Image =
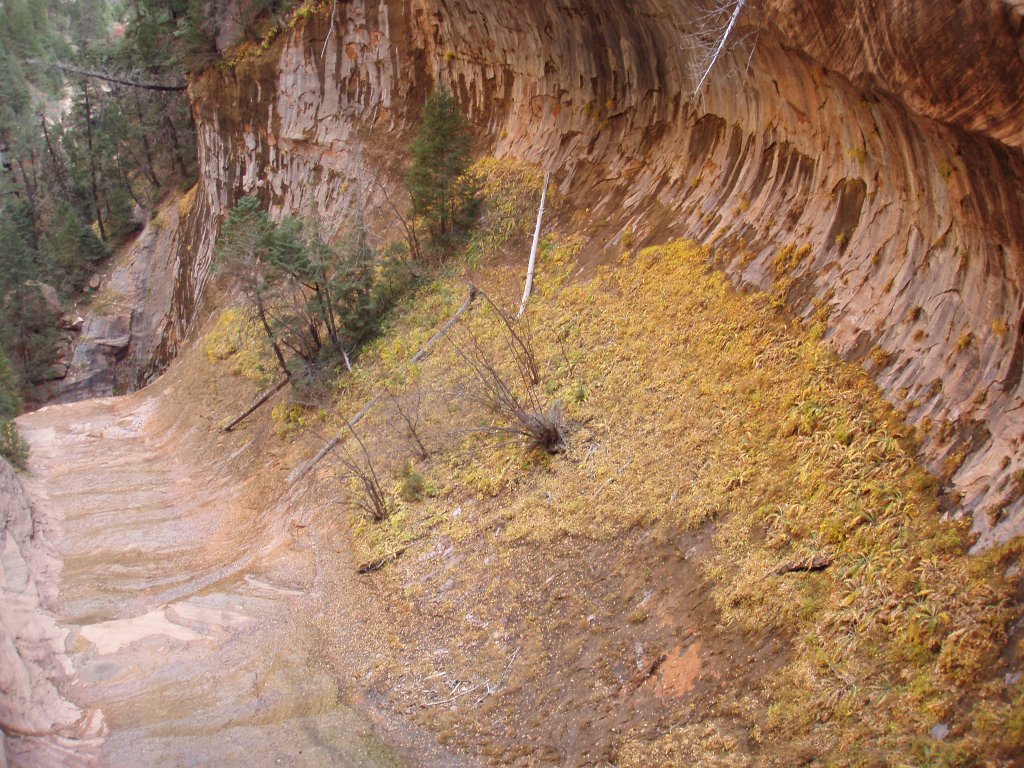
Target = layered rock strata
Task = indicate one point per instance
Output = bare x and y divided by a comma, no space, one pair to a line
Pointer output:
884,134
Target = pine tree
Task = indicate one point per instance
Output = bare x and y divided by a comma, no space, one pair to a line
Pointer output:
28,328
72,249
12,447
440,155
243,252
10,399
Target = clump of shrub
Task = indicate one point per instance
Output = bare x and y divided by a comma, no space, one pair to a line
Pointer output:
12,446
413,485
510,388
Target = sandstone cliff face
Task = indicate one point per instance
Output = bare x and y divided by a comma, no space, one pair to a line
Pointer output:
38,725
884,134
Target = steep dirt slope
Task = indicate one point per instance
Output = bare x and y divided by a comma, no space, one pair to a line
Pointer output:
884,134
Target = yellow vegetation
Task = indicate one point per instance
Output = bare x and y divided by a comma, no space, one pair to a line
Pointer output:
695,407
237,339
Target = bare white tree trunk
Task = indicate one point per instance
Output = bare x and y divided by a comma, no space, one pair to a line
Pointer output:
334,9
536,243
721,45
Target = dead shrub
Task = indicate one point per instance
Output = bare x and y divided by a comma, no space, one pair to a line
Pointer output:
507,385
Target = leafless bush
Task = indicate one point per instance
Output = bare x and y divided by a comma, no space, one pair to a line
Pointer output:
359,466
511,391
408,407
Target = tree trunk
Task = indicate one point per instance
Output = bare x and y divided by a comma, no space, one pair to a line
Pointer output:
128,183
533,249
327,305
30,193
252,408
111,78
147,150
179,158
261,311
58,164
92,161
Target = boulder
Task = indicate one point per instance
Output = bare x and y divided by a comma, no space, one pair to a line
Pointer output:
50,296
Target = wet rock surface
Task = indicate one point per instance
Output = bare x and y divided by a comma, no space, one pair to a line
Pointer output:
183,620
136,318
40,725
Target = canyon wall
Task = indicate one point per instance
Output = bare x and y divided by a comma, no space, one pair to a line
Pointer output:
885,135
38,725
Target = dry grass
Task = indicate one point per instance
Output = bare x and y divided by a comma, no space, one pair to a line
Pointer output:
237,340
695,408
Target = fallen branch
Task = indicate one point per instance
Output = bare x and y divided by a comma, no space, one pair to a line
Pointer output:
533,249
443,330
304,469
809,564
375,565
259,401
486,684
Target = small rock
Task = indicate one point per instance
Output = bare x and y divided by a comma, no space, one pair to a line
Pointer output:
94,282
1012,678
939,732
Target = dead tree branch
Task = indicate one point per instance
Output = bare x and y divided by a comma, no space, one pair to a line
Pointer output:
807,565
533,249
118,80
259,401
720,39
511,396
304,469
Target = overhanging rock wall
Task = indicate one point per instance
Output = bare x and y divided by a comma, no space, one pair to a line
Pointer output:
884,134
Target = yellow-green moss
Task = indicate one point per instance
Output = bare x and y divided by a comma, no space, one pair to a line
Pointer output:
237,339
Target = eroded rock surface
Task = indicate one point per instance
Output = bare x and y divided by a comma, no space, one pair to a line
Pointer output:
141,313
884,134
39,726
184,601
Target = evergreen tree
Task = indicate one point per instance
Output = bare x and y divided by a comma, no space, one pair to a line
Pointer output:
12,447
10,399
28,327
440,155
243,249
72,249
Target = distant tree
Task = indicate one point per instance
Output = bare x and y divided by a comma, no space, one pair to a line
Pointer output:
10,399
72,249
12,447
28,328
440,156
